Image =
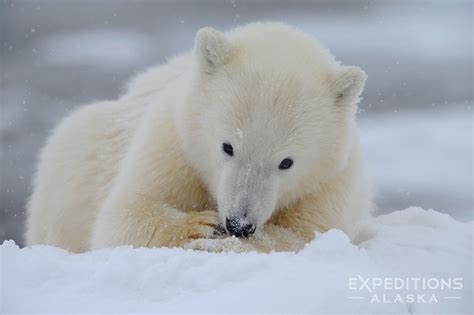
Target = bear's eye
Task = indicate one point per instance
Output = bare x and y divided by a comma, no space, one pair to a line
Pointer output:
285,164
227,147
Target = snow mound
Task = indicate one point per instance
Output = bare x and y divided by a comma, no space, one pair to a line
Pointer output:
330,274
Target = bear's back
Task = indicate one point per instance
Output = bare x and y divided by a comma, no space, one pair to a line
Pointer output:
82,158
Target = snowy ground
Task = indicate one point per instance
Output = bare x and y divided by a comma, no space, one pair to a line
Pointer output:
329,275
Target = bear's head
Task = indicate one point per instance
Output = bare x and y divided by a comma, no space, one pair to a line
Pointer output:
268,117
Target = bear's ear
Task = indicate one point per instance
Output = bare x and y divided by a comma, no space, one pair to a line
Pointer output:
212,49
347,85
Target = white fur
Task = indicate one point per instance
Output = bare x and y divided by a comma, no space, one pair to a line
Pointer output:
148,169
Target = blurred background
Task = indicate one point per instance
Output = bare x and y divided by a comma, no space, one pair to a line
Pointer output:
416,115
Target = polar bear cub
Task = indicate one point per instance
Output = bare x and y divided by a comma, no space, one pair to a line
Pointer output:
251,135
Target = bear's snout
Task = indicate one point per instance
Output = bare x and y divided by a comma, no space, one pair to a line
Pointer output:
239,227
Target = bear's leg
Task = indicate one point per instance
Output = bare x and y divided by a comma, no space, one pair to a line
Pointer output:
270,238
136,220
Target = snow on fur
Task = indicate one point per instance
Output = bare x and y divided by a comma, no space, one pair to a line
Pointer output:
409,243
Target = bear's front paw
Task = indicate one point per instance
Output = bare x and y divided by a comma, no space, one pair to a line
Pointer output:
225,244
204,224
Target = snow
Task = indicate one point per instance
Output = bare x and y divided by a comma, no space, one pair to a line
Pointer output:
326,276
422,158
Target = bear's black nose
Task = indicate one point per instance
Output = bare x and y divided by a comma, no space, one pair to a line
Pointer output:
239,227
